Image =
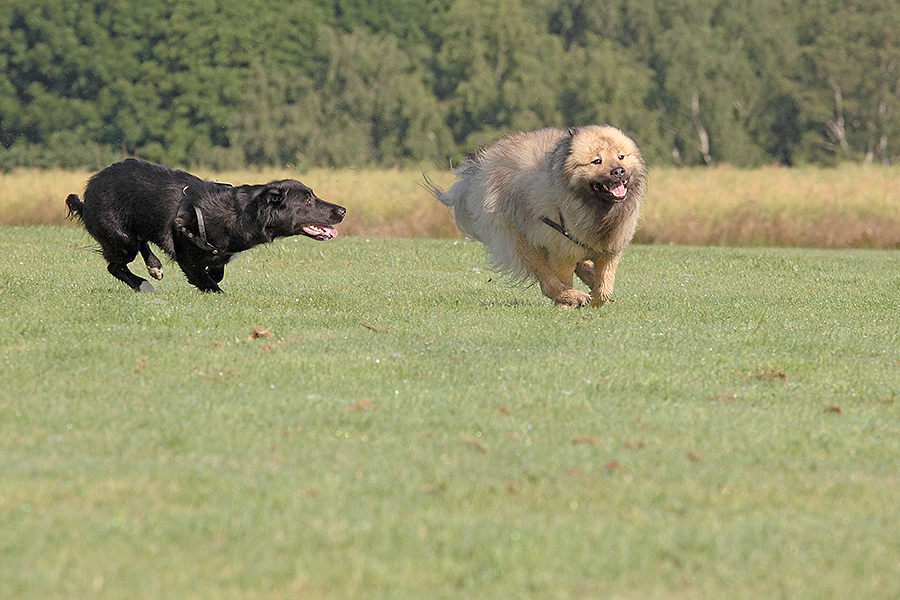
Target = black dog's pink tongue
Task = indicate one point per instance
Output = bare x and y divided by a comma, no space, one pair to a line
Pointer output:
322,232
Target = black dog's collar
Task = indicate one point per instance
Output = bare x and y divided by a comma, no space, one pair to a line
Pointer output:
180,224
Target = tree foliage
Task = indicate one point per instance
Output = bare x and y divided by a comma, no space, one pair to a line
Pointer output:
389,82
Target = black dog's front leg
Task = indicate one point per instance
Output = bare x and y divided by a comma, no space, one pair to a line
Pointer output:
199,277
200,268
216,272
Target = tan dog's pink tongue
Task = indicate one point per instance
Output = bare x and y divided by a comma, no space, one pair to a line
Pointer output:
618,190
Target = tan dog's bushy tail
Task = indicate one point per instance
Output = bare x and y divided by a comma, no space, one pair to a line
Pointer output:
455,199
433,188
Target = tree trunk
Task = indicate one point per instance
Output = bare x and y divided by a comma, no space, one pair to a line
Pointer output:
702,134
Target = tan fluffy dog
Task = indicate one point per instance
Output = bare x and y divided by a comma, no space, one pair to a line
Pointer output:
552,203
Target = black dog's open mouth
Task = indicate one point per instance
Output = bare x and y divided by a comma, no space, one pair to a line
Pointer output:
616,191
319,232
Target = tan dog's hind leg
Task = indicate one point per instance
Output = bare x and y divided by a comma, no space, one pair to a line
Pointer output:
604,279
551,284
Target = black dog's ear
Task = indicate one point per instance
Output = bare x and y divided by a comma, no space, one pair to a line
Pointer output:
272,194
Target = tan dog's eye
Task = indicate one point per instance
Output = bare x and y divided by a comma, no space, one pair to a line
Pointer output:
596,161
621,157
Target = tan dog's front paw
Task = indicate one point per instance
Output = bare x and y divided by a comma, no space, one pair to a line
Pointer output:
599,298
573,297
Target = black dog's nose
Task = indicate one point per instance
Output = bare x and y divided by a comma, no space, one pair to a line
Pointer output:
618,173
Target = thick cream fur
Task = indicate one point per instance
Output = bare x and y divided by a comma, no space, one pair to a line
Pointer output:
504,190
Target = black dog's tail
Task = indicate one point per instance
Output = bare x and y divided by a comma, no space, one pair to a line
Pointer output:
75,205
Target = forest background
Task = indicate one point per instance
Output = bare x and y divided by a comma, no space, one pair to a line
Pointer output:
386,83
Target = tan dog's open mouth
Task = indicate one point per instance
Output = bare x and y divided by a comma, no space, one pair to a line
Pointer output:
617,191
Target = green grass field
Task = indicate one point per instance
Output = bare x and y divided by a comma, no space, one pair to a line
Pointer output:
385,418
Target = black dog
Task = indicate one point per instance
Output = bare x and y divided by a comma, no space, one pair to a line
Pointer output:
200,224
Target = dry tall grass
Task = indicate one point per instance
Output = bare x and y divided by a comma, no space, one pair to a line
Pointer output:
37,197
848,206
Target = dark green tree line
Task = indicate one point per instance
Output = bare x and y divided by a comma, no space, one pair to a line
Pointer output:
391,82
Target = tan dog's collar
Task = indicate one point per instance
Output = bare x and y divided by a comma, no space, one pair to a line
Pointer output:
561,227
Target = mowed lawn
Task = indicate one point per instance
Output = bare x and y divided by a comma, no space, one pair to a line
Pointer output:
387,418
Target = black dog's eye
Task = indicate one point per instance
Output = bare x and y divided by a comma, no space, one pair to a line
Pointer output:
596,161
